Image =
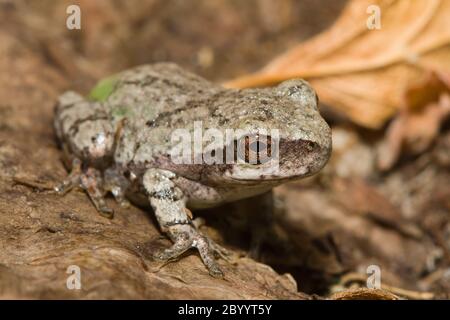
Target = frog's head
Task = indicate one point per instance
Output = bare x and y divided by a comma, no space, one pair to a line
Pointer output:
284,134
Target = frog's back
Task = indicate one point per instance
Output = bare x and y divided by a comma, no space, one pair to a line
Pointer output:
154,94
151,101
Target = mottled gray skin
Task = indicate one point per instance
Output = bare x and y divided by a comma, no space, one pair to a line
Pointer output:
122,144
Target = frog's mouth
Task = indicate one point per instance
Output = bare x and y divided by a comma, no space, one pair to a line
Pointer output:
257,176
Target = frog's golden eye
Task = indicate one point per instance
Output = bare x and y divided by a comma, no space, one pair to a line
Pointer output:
254,149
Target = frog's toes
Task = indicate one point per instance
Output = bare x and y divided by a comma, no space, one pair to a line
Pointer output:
181,245
185,237
105,211
91,181
116,183
119,196
215,247
124,203
220,251
72,180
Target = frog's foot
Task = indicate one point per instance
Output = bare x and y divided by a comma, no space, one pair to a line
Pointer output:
116,183
221,252
185,237
217,249
91,182
119,196
73,180
168,203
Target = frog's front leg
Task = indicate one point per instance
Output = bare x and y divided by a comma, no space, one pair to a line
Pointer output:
91,181
168,203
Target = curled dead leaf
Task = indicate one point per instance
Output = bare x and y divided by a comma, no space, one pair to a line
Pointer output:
363,73
426,105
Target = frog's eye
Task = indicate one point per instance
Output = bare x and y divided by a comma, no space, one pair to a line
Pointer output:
254,149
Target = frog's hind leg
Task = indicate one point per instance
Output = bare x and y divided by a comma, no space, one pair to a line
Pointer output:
91,181
168,202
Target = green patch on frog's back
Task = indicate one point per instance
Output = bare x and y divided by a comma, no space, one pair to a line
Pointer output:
103,89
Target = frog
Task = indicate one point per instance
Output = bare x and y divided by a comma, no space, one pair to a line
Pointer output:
119,140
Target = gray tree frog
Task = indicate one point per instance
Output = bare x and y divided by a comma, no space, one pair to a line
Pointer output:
119,140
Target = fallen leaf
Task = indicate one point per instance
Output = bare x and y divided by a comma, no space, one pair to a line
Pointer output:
426,105
363,73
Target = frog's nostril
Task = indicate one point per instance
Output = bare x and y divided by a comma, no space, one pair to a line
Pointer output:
310,145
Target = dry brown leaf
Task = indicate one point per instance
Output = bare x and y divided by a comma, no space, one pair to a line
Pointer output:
363,73
425,107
